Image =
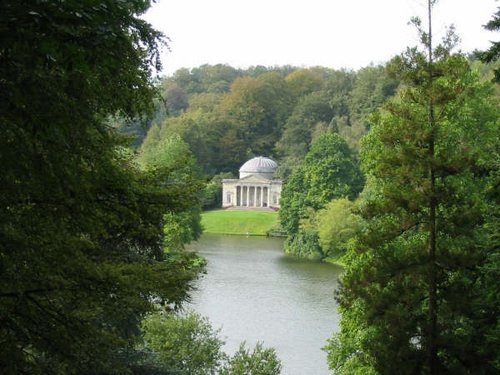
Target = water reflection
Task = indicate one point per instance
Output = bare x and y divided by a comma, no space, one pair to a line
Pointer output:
255,293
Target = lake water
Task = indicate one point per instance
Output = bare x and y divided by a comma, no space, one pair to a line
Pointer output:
253,292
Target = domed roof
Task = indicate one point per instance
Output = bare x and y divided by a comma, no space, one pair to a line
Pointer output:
259,164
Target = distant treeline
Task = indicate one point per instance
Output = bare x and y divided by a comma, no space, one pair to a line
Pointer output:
228,115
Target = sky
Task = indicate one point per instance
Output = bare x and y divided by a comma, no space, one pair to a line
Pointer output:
338,34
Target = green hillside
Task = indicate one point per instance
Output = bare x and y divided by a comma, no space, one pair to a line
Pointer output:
240,222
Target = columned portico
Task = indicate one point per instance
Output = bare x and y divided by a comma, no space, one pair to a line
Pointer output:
249,196
256,187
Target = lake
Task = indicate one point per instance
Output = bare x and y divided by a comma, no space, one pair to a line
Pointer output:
253,292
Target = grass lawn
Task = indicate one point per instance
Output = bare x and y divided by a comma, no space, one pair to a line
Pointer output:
254,223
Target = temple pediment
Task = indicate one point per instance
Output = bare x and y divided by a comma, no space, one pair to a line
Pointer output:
254,179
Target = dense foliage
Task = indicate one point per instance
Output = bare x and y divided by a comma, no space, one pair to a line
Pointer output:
81,225
182,344
172,159
186,344
414,298
227,115
330,170
337,225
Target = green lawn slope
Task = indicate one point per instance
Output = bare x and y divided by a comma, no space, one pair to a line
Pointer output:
252,223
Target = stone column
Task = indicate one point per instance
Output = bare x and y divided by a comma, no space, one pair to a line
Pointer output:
248,196
269,196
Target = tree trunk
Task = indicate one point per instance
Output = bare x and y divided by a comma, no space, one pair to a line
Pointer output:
433,308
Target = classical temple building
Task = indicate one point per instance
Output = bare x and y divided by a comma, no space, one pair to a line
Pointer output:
256,187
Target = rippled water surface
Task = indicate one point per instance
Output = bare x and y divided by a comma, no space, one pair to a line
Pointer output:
253,292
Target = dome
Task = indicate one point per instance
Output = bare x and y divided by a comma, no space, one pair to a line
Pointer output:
260,165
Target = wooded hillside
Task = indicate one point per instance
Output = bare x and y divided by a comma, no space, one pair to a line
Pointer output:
227,115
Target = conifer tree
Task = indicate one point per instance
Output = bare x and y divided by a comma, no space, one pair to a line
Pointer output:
407,296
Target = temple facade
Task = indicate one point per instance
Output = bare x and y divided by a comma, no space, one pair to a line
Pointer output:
256,187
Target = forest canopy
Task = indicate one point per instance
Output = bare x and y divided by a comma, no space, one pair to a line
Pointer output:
229,115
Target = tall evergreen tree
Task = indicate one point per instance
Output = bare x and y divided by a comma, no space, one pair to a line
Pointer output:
409,294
